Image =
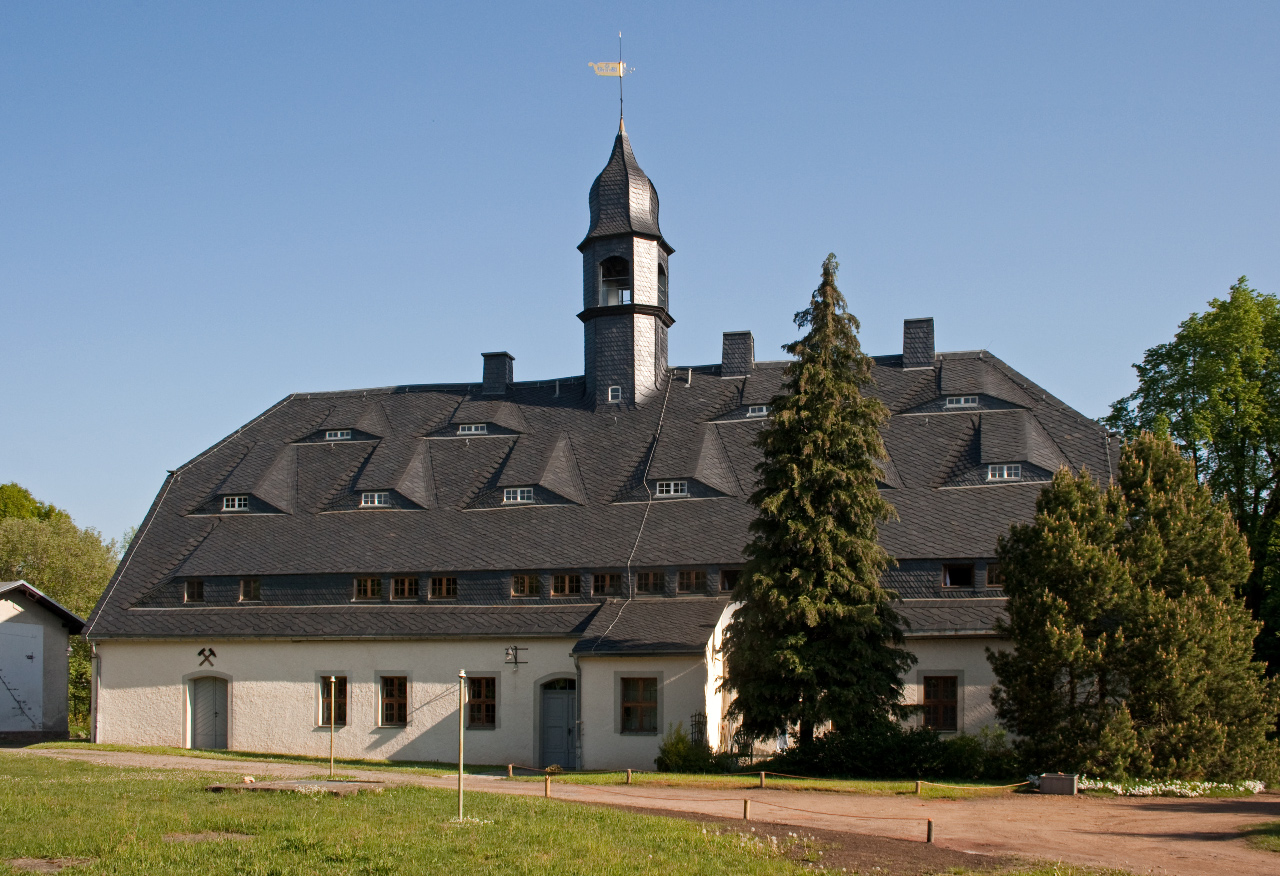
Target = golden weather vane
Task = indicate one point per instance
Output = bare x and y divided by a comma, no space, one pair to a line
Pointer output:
613,68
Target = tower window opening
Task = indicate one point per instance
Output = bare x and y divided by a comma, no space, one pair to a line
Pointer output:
662,287
615,281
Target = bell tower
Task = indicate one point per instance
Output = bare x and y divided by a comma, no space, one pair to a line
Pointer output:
624,284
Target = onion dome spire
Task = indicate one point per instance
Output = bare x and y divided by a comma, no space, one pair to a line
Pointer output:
623,200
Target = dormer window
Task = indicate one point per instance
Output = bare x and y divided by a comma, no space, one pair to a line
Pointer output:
758,411
1004,472
375,500
962,401
517,495
662,286
235,503
673,488
615,281
473,429
615,393
337,435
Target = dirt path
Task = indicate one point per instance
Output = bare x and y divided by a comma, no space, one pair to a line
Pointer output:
1184,837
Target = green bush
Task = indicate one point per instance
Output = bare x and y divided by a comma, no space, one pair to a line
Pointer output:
680,754
887,750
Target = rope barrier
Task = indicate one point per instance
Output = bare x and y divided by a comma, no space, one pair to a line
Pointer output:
836,814
754,773
976,787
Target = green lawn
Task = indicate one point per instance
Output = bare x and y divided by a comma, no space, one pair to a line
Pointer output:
1264,836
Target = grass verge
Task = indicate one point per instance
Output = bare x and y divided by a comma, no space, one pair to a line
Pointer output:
1263,836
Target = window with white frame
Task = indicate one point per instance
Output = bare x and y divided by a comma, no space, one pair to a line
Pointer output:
615,393
962,401
337,435
473,429
1011,472
235,503
517,495
673,488
375,500
758,411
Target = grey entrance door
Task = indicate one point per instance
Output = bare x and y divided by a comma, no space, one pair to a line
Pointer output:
557,724
209,713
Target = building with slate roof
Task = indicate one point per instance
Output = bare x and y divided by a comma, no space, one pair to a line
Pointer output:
570,543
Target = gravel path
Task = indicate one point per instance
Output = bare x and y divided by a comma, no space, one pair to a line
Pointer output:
1184,837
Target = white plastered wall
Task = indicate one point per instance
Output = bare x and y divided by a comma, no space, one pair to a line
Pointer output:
682,691
20,610
965,657
273,695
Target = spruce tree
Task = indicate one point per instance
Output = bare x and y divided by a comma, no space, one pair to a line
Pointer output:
816,637
1132,650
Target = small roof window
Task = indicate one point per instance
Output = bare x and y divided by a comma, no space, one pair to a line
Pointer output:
962,401
337,435
758,411
615,393
235,503
1004,472
517,495
673,488
375,500
473,429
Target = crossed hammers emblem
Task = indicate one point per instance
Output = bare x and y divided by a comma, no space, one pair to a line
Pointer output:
208,654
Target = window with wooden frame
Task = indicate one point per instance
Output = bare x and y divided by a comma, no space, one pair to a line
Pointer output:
444,587
395,700
639,705
404,588
609,583
235,503
691,581
482,703
332,692
729,579
525,584
368,588
473,429
338,435
566,585
650,582
517,495
957,575
673,488
375,500
250,590
994,579
941,703
194,591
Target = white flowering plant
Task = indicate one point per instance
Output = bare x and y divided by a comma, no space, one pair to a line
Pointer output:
1170,788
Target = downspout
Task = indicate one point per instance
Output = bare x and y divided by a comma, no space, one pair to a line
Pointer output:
95,677
577,712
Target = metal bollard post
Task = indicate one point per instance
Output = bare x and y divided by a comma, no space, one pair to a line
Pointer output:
762,780
746,810
628,777
929,839
546,788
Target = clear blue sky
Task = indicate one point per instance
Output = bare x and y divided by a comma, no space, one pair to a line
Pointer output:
206,207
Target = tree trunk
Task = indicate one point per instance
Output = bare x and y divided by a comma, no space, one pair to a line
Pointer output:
806,732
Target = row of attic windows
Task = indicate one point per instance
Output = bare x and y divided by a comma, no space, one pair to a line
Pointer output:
523,585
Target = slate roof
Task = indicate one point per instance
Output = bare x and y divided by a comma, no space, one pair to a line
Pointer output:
951,617
651,627
623,200
72,621
592,511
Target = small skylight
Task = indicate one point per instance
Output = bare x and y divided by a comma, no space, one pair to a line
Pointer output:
1004,472
962,401
758,411
375,500
338,435
615,393
517,495
673,488
473,429
235,503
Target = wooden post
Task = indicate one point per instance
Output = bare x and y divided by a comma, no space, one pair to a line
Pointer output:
546,786
746,810
333,713
929,839
462,726
510,769
918,784
628,777
762,780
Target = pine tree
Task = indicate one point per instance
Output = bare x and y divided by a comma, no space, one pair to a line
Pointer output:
816,638
1132,650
